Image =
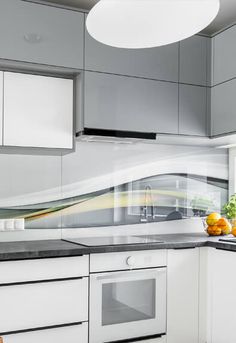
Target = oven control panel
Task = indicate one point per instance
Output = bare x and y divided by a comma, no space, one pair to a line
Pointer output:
128,260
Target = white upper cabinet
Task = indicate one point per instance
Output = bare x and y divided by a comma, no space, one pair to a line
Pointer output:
1,107
130,104
38,111
159,63
195,60
224,56
41,34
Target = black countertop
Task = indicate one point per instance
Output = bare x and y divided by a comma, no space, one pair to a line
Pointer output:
64,248
38,249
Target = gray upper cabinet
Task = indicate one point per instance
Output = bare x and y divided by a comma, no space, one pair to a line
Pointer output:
224,56
194,60
41,34
1,108
223,108
130,104
192,110
223,99
156,63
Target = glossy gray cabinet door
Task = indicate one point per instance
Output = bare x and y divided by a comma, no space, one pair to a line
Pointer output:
223,108
130,104
224,56
193,60
1,108
192,110
156,63
41,34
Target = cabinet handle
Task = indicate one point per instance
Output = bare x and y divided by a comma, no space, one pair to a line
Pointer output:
1,340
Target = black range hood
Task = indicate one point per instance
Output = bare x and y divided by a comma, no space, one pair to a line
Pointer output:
117,134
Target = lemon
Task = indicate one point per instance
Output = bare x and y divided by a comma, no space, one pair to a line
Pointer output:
213,218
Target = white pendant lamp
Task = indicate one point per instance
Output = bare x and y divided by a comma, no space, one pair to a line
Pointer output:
135,24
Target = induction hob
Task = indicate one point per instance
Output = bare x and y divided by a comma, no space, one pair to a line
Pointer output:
113,240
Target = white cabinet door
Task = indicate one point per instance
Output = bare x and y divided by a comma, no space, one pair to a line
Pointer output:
35,305
130,104
159,63
182,296
224,56
223,105
192,110
38,111
68,334
222,266
1,108
41,34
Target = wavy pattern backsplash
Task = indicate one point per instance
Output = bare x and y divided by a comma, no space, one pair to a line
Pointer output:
105,184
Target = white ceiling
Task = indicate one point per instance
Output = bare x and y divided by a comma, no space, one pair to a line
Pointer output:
226,16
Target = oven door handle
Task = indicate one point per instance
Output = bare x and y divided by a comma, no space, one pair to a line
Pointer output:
130,274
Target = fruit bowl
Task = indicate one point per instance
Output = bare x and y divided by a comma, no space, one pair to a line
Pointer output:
216,225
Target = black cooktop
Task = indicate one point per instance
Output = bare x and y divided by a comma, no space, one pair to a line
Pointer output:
113,240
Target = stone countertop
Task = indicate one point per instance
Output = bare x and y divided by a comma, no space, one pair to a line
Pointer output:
38,249
65,248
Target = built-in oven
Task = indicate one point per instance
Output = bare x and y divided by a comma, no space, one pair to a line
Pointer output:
127,304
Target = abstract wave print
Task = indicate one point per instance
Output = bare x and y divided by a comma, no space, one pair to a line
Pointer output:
151,199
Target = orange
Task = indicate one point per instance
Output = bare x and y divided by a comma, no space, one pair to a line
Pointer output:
214,230
213,218
233,231
233,222
224,225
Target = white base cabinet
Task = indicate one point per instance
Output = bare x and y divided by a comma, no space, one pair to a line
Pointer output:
35,305
221,293
182,296
68,334
46,269
44,300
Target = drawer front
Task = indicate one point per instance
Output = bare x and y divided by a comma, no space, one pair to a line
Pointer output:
127,260
44,304
43,269
69,334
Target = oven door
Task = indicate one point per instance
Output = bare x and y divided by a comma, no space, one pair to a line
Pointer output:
126,305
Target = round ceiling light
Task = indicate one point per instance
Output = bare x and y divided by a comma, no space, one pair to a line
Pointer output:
135,24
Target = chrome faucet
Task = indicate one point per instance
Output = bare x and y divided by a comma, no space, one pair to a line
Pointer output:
145,215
